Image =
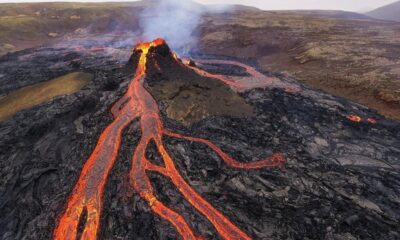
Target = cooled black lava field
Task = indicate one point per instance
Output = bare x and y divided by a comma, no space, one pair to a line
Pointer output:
341,178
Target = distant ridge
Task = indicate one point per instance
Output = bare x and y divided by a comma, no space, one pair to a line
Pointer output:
331,13
389,12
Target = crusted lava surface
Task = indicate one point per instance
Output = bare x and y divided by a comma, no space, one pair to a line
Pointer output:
186,96
341,178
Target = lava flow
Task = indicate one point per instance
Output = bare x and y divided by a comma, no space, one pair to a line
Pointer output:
358,119
259,81
86,197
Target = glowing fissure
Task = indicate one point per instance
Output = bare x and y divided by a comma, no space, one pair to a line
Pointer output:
358,119
261,80
88,192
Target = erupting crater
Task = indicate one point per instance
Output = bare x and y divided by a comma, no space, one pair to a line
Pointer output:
138,103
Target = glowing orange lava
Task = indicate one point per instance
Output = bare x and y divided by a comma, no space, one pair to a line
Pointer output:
354,118
260,80
358,119
88,192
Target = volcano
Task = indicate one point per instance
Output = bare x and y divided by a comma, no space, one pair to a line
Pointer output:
170,148
138,103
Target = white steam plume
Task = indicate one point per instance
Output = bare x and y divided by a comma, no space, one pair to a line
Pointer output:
173,20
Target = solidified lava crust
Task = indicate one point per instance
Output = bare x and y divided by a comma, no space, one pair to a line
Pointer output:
341,179
87,196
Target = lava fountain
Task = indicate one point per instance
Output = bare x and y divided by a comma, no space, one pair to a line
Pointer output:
138,103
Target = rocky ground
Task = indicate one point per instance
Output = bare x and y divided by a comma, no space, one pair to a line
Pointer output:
349,56
343,53
341,181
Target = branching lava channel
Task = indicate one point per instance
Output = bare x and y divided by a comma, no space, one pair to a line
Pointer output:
88,192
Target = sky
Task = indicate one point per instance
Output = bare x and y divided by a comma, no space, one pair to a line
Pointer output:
348,5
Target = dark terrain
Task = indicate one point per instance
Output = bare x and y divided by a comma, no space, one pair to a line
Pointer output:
346,54
341,181
342,178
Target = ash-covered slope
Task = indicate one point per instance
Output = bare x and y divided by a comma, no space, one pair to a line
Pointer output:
341,181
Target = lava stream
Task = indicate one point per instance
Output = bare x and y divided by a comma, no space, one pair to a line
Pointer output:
261,79
88,192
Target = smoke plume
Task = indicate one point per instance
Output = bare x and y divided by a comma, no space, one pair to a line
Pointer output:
173,20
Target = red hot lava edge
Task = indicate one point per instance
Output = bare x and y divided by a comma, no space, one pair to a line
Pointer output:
138,103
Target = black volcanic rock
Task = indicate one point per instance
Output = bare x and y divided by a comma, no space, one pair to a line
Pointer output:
342,179
186,96
161,50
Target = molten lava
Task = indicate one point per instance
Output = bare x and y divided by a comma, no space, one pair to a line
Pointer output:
355,118
358,119
259,81
137,102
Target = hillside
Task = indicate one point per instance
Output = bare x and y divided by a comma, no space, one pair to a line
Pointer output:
32,24
353,58
389,12
346,54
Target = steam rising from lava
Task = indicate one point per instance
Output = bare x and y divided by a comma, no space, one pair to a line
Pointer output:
173,20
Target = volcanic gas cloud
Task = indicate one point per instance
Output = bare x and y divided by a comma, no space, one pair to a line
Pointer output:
138,103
